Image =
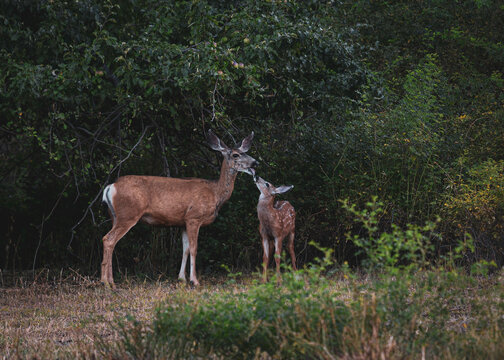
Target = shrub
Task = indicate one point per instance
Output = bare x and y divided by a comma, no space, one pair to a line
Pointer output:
302,318
475,206
393,250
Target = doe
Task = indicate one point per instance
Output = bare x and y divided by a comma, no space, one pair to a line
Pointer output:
189,203
276,221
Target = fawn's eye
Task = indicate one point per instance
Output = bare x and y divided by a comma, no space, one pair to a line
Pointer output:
236,155
267,184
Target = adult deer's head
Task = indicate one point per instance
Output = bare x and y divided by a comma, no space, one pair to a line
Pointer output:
236,158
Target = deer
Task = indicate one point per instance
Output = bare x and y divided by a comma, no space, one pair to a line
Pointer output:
277,220
185,202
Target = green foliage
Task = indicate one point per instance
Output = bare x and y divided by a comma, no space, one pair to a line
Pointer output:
444,315
302,318
93,90
483,267
475,206
417,311
348,99
391,251
401,145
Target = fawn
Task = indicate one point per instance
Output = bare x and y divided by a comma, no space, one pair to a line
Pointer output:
276,221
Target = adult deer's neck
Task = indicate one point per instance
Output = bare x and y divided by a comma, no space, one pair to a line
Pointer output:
225,185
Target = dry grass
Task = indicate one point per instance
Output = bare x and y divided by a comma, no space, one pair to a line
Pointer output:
51,315
49,319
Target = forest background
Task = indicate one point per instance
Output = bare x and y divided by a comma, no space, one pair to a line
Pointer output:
402,100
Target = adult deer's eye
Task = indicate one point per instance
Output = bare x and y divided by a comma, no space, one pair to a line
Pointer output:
236,155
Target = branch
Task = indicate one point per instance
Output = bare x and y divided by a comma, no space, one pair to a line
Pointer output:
44,219
88,209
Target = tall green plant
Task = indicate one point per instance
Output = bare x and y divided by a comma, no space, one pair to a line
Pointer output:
391,251
475,206
395,151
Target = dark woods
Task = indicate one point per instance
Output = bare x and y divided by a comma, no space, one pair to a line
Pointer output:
348,100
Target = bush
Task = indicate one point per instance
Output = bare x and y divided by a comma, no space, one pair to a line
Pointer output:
390,251
302,318
475,205
443,315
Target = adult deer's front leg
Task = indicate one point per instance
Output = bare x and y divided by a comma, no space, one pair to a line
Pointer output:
192,229
185,255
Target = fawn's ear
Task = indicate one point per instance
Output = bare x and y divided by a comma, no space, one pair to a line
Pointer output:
282,189
215,143
246,143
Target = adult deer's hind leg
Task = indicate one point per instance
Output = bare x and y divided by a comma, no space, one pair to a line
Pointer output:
109,242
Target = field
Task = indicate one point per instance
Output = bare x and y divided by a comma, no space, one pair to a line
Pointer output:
63,317
427,315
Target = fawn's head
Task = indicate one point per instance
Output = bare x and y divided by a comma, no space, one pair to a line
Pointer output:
268,189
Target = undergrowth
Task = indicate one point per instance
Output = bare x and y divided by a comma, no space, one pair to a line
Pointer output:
400,307
429,314
403,308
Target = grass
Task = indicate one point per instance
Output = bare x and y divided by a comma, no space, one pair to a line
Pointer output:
63,318
427,315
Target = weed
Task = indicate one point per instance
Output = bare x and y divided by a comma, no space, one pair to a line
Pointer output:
407,249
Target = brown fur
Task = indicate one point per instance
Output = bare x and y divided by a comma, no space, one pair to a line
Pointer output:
277,220
190,203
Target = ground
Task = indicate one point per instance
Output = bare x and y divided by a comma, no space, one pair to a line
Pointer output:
44,317
56,316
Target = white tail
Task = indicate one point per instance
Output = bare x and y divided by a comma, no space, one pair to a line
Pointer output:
190,203
276,221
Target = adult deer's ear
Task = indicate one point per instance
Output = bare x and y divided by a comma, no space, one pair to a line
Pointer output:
215,143
282,189
246,143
